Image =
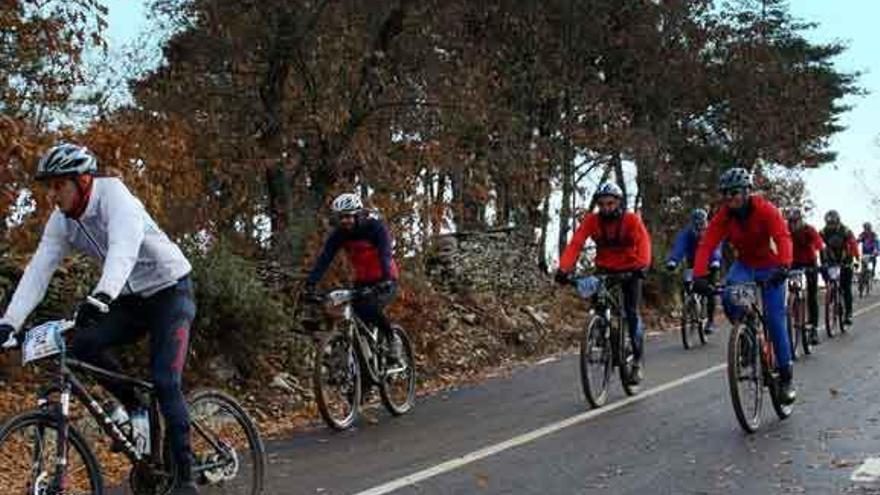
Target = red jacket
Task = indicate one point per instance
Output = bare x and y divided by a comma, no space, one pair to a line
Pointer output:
622,244
807,243
761,241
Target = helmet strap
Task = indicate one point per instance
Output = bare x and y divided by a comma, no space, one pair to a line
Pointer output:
83,184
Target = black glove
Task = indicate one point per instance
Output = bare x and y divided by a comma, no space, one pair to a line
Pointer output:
92,310
777,277
561,277
5,331
703,286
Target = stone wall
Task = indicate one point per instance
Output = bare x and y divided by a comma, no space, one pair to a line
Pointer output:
498,261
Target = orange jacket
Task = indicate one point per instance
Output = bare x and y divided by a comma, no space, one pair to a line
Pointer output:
622,244
761,241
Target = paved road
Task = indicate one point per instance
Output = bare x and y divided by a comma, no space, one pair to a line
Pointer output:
532,433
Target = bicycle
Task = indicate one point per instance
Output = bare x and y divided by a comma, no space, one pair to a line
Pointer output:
796,314
55,458
606,344
751,362
866,276
833,301
694,315
354,357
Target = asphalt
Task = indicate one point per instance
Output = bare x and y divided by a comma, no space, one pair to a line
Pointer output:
530,432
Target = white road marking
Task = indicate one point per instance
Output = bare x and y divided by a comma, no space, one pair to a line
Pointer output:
868,472
488,451
533,435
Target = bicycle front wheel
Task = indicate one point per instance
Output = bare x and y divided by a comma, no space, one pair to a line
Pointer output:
690,322
838,311
229,454
337,381
28,446
595,362
398,386
744,376
831,320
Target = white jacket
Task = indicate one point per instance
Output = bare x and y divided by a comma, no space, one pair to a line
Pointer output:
138,257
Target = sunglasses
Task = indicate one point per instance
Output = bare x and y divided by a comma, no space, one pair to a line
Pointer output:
607,204
732,193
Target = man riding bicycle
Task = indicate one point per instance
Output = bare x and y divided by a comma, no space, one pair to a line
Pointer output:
754,227
807,243
144,287
685,248
841,249
367,242
868,240
622,245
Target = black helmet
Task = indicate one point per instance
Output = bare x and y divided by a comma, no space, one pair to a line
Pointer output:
735,178
832,217
66,159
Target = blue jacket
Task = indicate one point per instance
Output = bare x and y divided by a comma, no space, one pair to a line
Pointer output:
685,248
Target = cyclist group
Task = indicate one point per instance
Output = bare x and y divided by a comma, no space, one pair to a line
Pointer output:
766,243
145,286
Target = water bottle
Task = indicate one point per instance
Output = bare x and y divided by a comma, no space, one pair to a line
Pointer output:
140,430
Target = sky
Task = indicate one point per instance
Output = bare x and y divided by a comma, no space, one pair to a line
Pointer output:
837,185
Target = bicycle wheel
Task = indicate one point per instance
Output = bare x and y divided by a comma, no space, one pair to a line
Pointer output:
830,309
337,381
863,285
398,387
229,454
689,322
595,361
801,315
703,318
744,376
793,324
626,361
28,445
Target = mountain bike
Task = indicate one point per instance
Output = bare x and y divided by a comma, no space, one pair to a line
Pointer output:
606,343
751,361
355,356
796,314
866,276
694,314
43,452
833,301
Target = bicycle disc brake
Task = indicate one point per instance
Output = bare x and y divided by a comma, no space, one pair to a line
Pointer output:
228,469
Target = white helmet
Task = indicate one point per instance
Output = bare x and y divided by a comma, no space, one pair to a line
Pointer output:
66,159
347,203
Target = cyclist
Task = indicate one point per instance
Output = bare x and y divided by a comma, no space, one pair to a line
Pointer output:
685,248
367,242
868,240
841,249
144,286
754,227
807,243
622,245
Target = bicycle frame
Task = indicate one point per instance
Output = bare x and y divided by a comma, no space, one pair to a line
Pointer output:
754,316
609,301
